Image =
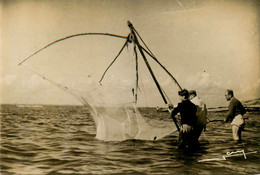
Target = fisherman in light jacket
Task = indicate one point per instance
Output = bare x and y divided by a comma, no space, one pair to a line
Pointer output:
201,114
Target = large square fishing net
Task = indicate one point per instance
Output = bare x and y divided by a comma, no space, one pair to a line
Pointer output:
77,66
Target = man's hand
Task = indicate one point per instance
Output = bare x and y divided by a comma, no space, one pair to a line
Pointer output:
170,108
186,128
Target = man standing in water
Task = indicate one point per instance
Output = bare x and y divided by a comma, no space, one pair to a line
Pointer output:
235,113
187,111
200,114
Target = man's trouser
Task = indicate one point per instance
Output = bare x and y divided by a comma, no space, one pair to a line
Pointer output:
185,136
237,126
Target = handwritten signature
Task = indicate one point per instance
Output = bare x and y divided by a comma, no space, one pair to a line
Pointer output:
230,154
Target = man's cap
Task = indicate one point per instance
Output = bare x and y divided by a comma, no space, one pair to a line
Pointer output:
192,92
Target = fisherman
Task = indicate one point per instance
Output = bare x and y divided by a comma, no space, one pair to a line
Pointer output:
235,115
200,114
187,112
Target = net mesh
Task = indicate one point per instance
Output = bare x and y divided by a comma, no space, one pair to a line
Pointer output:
126,122
123,121
111,104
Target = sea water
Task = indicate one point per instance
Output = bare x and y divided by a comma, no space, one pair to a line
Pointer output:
61,140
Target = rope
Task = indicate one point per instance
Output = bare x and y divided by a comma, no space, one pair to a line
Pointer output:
144,91
71,36
143,42
167,97
152,55
64,88
219,120
162,67
215,120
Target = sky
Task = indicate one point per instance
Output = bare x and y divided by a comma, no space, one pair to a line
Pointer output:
208,45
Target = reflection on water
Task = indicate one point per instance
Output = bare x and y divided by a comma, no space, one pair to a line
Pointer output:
61,140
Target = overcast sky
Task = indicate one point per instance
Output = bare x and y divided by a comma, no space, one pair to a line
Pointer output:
207,45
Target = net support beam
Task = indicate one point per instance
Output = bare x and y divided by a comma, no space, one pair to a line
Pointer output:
146,61
135,40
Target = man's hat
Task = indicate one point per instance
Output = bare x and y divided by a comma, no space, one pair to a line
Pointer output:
192,92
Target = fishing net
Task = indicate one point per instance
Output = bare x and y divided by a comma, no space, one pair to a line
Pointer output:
126,122
76,67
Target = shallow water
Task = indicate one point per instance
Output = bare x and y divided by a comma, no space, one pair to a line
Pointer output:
61,140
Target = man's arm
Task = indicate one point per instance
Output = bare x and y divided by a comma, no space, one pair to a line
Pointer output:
205,109
231,111
174,112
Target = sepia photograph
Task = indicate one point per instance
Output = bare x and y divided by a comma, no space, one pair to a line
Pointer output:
129,87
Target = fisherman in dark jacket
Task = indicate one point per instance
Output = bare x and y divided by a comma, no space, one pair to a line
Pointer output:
187,111
235,115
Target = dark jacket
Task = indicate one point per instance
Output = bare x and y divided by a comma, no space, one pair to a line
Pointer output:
188,112
235,108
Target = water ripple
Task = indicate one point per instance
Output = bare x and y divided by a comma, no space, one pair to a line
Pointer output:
61,140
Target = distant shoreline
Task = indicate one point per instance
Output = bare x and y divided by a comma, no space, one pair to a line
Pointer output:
249,104
161,109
